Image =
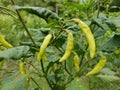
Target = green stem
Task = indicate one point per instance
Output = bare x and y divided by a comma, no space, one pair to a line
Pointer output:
85,64
57,36
83,56
65,66
42,66
59,49
61,30
65,62
34,67
7,9
36,83
98,9
45,74
7,13
67,69
20,18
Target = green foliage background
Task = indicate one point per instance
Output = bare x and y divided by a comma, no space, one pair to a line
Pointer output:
104,25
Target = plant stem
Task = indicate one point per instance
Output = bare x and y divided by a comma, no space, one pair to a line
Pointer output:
45,74
83,56
98,9
7,9
57,35
67,69
61,30
34,67
20,18
36,83
42,66
7,13
85,64
59,49
65,62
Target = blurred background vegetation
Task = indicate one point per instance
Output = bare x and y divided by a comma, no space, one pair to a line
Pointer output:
14,32
62,7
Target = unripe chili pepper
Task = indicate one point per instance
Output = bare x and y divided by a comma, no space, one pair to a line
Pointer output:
22,68
44,46
90,38
117,51
1,64
28,83
69,46
4,42
76,62
98,67
23,72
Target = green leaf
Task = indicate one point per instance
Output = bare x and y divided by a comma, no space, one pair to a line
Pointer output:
44,84
30,43
76,84
78,48
100,23
74,27
112,44
108,78
107,71
9,77
59,42
70,4
114,22
15,82
14,53
99,32
53,58
90,4
40,12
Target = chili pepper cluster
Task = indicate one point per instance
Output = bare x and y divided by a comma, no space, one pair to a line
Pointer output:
70,44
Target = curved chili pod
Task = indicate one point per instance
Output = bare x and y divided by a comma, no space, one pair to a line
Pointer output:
4,42
98,67
22,68
44,46
76,62
1,64
69,46
90,38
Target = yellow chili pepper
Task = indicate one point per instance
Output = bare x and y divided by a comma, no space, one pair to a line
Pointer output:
98,67
4,42
1,64
90,38
76,62
117,51
44,46
23,72
69,46
28,83
22,68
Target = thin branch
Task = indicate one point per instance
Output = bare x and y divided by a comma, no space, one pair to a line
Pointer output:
36,83
67,69
20,18
7,13
59,49
65,62
61,30
57,36
85,64
42,66
83,56
34,67
98,9
45,74
7,9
